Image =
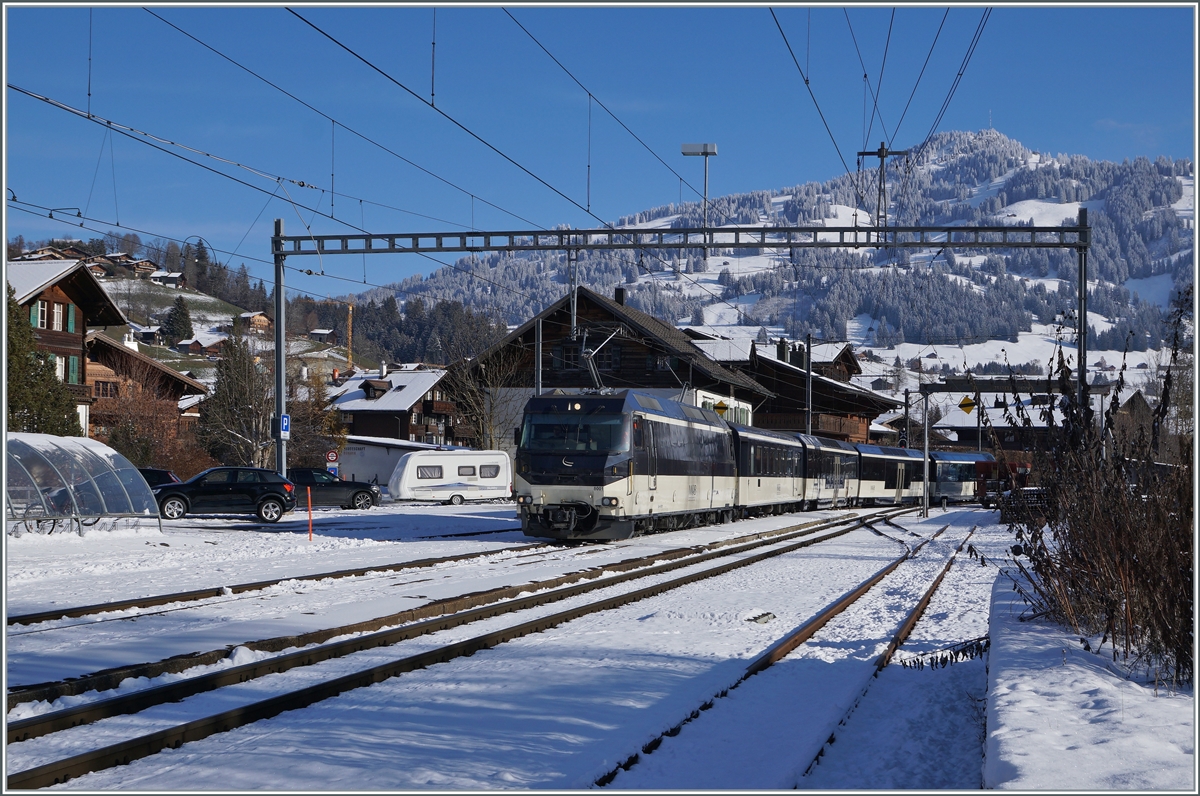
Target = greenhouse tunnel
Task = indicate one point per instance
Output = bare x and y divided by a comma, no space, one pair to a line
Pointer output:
73,484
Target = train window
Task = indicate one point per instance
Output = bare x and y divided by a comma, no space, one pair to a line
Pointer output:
637,433
429,471
575,432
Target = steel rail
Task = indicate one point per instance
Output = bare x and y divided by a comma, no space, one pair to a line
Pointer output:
220,591
110,678
901,635
124,752
453,612
775,653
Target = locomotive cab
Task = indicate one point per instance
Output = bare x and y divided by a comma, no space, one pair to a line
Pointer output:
574,457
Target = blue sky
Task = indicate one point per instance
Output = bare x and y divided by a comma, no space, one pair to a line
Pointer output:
1106,82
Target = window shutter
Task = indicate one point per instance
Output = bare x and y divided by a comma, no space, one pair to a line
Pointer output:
73,370
33,319
70,317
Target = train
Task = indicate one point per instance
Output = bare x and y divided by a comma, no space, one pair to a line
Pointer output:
605,466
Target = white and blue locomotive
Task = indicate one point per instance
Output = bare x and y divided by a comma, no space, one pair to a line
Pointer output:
613,466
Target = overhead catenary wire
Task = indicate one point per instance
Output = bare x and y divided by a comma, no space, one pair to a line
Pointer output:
279,180
81,225
341,124
372,141
479,138
592,96
987,12
861,200
866,81
921,74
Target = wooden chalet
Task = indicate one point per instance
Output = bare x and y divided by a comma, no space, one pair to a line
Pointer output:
324,336
633,350
840,409
62,299
256,322
114,369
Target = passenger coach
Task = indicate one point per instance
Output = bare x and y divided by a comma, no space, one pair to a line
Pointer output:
612,466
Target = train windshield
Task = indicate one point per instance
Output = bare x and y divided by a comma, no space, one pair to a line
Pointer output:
575,432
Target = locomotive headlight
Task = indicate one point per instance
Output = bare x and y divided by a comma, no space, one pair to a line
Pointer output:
609,501
524,500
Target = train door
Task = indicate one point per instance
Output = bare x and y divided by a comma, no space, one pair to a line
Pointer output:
651,456
837,479
899,484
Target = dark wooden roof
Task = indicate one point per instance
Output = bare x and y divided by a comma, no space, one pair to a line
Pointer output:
654,331
113,354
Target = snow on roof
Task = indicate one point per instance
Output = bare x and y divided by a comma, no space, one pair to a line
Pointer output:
737,350
28,278
413,385
392,442
321,331
189,401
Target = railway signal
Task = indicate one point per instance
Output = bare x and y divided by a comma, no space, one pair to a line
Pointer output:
967,404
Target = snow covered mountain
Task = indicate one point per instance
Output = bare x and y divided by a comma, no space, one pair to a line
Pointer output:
964,306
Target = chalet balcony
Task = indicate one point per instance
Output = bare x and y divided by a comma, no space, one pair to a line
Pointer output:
82,393
437,408
837,426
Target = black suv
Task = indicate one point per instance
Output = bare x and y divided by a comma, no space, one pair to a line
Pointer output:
155,477
228,490
329,490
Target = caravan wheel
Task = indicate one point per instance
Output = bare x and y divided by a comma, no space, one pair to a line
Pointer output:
456,500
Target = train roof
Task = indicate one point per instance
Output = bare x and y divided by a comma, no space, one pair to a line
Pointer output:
763,432
827,444
623,402
957,456
882,450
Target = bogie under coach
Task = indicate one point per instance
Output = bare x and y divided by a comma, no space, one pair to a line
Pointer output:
613,466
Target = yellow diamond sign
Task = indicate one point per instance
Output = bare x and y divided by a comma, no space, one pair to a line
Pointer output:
967,404
721,408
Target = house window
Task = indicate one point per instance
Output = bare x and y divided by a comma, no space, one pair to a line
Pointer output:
56,322
60,367
106,389
570,357
41,315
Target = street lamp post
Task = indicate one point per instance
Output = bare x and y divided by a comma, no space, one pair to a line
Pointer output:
705,151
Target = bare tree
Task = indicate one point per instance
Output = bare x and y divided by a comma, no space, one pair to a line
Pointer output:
489,394
235,421
140,418
316,427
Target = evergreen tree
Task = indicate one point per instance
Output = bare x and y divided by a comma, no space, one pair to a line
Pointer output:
37,400
178,325
235,421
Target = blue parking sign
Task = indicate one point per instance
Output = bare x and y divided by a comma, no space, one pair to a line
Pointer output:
285,427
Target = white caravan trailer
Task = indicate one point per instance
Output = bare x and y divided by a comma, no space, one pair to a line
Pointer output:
452,476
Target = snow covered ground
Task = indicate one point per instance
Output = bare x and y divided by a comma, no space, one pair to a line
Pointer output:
561,708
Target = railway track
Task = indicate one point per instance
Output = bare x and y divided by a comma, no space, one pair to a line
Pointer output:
704,561
110,678
806,631
224,591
